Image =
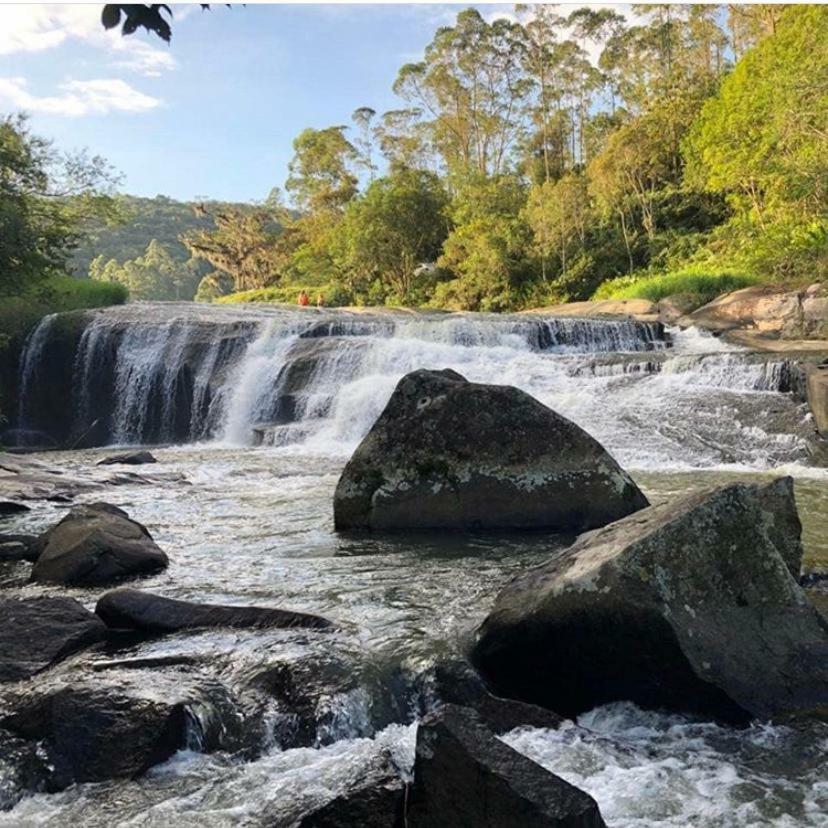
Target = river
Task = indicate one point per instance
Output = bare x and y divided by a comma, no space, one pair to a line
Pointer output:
252,524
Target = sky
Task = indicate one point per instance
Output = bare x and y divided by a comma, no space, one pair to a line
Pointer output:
214,113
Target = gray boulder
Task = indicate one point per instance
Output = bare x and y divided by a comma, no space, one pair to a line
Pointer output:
465,777
38,632
451,454
96,544
690,605
143,611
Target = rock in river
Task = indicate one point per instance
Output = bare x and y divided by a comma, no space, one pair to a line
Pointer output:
451,454
129,458
96,544
465,776
143,611
690,605
37,632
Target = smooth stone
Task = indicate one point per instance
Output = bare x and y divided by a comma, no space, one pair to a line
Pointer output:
96,544
153,614
130,458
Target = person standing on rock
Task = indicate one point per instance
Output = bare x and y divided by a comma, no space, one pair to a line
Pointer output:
304,299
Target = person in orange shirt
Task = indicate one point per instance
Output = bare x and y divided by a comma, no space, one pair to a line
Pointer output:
304,299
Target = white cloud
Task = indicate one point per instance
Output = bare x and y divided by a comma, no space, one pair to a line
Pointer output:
77,97
37,28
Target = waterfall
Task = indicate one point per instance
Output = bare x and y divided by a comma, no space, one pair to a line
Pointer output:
317,379
31,360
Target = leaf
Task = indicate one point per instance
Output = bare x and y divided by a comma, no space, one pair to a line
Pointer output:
111,16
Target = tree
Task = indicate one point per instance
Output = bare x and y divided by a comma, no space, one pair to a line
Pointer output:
761,142
396,226
241,245
470,89
559,213
320,177
45,196
364,145
486,249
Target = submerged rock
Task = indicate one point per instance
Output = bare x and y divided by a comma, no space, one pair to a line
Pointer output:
450,454
12,507
133,609
465,776
96,544
37,632
15,547
691,605
129,458
376,801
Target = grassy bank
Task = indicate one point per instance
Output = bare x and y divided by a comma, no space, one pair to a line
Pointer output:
696,287
21,312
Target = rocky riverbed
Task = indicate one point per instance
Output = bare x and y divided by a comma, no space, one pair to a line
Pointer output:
270,725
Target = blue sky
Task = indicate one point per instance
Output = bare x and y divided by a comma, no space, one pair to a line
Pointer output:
214,113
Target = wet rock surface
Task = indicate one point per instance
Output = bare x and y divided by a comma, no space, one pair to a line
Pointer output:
465,776
91,729
450,454
456,682
154,614
377,801
38,632
96,544
690,605
130,458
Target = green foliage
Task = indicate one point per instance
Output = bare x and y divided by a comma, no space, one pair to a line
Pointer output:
45,196
390,232
696,286
761,142
134,222
154,275
242,244
521,172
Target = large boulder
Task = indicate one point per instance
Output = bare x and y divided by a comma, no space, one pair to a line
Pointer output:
450,454
96,544
689,605
465,776
37,632
145,612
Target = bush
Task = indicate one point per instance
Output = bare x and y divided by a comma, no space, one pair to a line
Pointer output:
699,286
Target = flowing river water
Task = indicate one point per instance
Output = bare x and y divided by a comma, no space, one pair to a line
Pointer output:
252,524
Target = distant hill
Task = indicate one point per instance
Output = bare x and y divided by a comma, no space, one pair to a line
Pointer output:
161,218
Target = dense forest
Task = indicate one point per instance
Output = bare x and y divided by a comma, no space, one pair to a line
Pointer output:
522,171
535,158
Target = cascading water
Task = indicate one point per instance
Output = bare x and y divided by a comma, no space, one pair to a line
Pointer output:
318,379
254,526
